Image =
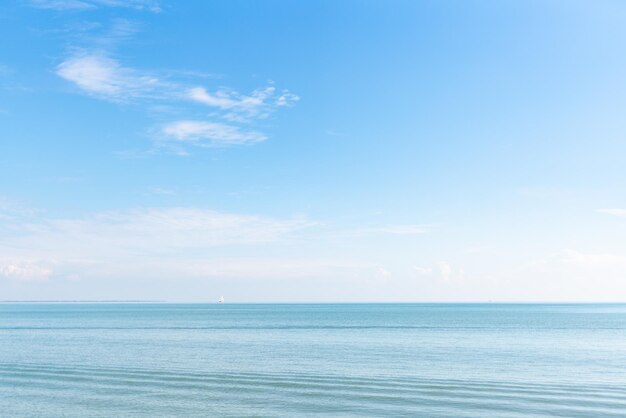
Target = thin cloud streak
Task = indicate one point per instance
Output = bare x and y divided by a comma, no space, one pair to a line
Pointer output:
406,229
39,249
207,134
615,212
259,104
84,5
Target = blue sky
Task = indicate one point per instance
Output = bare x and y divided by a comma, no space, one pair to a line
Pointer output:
313,151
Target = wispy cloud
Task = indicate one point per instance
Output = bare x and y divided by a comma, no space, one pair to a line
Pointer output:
209,134
224,99
63,4
170,228
575,258
332,132
174,243
405,229
13,213
614,212
25,270
600,273
147,5
423,271
39,248
442,270
271,268
4,70
94,69
257,104
445,269
104,77
287,98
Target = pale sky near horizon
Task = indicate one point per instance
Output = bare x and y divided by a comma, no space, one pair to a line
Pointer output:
313,150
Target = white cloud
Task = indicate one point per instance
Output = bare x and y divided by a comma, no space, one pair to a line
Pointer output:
423,271
227,100
100,75
148,5
258,104
104,77
287,99
445,270
63,4
110,36
615,212
442,270
119,240
574,258
25,270
209,133
576,275
96,72
168,243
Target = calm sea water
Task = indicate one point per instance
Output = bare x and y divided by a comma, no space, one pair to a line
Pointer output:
424,360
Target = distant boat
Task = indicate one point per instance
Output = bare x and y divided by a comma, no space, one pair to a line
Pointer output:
221,299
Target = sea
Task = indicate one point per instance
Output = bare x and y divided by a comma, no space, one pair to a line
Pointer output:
307,360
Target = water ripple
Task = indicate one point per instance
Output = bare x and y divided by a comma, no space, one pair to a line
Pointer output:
189,393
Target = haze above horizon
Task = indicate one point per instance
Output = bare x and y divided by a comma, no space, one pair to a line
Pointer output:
313,151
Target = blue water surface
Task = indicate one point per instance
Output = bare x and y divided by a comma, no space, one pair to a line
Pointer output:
281,360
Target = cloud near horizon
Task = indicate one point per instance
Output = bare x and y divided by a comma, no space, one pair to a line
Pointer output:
25,269
587,273
615,212
578,259
442,270
38,249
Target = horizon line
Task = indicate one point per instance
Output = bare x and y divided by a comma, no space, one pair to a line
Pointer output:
157,301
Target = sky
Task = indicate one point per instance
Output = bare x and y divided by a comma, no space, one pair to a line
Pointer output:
313,151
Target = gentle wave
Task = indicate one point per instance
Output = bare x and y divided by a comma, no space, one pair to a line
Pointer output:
311,392
297,327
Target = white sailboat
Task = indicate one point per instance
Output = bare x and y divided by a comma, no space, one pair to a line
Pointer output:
221,299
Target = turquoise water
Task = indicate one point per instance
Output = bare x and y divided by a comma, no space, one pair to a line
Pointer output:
430,360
